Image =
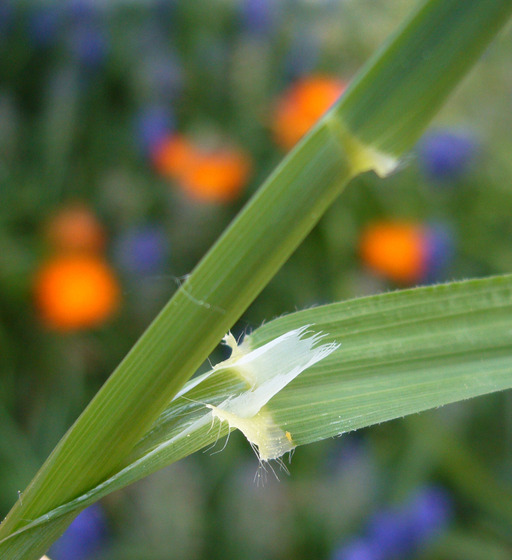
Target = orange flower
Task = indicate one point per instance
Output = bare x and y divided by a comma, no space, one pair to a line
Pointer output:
300,107
207,176
173,155
75,291
216,176
395,250
75,228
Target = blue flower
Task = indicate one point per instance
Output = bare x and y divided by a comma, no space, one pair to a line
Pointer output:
142,250
390,529
88,36
89,45
152,126
83,538
446,155
358,550
430,511
439,251
400,531
259,16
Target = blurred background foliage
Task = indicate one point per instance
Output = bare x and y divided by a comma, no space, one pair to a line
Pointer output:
130,135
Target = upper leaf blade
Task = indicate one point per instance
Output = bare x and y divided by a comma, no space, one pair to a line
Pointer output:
401,353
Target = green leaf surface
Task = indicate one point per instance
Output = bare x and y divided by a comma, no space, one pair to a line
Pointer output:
401,353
